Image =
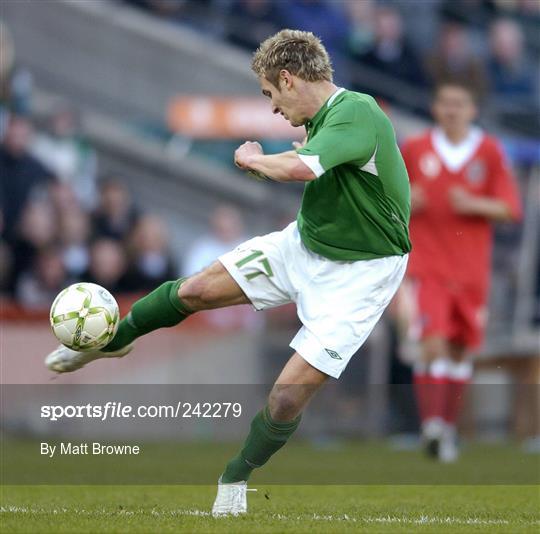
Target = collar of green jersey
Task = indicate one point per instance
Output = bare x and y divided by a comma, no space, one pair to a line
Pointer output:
324,108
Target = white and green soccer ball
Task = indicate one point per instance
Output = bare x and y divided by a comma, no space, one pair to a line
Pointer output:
84,317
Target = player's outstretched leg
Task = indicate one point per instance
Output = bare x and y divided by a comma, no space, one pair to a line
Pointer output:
270,429
160,308
166,306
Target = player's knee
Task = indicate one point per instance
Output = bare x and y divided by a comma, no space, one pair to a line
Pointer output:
284,404
198,292
190,292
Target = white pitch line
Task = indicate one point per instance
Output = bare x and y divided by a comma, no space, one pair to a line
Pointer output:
388,519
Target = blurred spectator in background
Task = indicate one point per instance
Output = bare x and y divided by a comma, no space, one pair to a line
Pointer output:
73,235
527,14
455,60
390,52
6,269
21,174
511,75
108,264
116,215
6,262
68,155
204,15
37,286
362,19
226,232
517,7
36,231
328,21
163,8
150,260
15,82
62,197
475,12
250,22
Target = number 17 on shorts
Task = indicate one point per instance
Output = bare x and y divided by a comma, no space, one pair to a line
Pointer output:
258,268
258,257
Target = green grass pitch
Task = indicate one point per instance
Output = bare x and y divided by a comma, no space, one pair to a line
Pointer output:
442,504
381,509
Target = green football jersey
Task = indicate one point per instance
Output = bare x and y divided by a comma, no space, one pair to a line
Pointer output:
358,207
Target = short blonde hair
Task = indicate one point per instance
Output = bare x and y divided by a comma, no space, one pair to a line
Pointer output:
299,52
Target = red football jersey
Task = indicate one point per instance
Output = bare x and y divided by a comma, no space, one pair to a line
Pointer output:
449,246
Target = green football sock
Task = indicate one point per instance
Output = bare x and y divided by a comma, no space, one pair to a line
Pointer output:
265,438
160,308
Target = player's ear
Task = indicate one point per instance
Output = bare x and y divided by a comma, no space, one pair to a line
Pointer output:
285,79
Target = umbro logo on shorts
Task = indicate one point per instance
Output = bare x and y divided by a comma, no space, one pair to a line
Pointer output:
333,354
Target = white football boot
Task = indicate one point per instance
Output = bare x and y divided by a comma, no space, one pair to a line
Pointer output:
64,360
231,499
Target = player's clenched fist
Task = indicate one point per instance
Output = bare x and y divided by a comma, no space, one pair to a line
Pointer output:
243,153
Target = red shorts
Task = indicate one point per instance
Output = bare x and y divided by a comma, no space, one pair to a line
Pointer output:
453,312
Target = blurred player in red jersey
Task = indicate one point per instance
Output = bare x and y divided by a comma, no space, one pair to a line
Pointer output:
460,185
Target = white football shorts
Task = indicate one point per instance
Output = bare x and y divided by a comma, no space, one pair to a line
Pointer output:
338,302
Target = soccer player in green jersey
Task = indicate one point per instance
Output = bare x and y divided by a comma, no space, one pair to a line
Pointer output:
341,261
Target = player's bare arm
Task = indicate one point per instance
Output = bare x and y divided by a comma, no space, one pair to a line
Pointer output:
466,203
418,199
283,167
